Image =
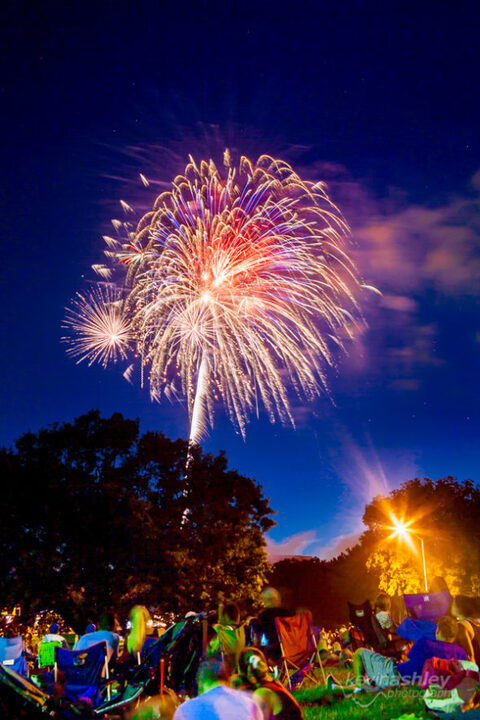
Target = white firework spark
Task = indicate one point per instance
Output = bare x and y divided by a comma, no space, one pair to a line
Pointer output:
100,329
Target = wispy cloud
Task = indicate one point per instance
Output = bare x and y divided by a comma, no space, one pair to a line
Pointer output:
336,546
294,545
308,543
419,257
415,248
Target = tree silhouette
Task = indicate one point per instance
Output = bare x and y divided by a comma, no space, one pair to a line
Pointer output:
92,517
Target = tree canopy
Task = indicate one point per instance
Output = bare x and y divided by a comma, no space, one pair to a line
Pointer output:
96,515
444,512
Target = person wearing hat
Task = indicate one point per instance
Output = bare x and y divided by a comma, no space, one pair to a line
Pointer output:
53,635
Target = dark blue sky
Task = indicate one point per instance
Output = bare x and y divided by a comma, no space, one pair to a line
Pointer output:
380,99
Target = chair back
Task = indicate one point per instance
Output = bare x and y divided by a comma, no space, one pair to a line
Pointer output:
46,653
11,655
295,637
82,670
428,606
361,617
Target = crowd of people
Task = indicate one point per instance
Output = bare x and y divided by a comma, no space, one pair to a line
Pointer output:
239,672
232,674
449,642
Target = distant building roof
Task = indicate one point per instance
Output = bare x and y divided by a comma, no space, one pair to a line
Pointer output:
273,559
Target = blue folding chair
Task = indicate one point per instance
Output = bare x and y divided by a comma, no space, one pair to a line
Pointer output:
84,672
12,655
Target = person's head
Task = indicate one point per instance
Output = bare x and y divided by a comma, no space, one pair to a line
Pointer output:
211,672
91,628
446,629
272,598
438,584
383,603
463,607
108,621
159,706
252,666
140,621
53,629
230,614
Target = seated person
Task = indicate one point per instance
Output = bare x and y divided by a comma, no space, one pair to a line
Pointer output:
272,606
159,706
229,639
217,701
438,584
263,631
93,636
54,636
329,653
384,671
468,634
275,701
382,612
109,621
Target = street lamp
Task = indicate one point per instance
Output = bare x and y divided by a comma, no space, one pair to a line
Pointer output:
403,530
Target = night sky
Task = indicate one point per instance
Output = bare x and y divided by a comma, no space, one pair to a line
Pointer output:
380,99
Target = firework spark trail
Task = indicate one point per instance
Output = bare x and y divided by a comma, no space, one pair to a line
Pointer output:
197,425
234,287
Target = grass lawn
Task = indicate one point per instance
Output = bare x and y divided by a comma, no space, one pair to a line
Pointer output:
320,704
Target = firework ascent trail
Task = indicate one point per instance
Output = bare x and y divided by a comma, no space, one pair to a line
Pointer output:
236,286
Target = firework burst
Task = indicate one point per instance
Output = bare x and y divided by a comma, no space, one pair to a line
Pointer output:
99,328
236,287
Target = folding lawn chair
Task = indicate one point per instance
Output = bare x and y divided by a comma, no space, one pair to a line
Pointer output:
299,649
85,672
46,653
227,644
428,606
174,658
363,618
20,697
12,655
368,631
121,702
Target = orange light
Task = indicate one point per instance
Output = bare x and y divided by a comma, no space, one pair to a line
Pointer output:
401,529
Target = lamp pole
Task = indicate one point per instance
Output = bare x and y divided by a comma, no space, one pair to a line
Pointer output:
424,563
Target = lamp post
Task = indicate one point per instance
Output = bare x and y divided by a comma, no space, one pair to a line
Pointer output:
424,563
403,530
